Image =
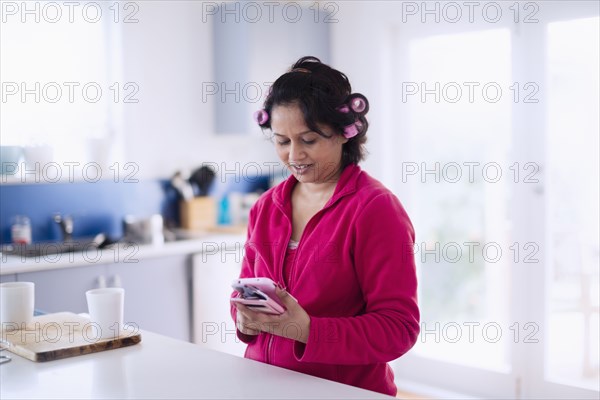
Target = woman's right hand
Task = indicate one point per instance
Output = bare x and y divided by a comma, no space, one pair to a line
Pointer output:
245,326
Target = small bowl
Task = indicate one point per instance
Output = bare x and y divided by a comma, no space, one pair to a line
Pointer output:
10,156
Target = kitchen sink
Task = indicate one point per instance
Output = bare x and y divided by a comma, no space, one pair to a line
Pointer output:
48,248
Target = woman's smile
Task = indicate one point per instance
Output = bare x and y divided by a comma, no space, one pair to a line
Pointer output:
300,169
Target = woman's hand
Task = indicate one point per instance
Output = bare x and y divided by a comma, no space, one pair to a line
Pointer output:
243,325
293,324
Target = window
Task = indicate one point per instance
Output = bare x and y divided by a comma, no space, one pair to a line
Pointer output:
462,217
572,159
58,89
539,300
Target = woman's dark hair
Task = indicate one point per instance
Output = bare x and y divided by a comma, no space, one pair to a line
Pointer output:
320,91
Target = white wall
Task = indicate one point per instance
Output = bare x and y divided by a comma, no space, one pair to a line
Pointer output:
358,51
168,54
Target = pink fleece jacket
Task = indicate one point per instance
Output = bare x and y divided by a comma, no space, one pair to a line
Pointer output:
354,274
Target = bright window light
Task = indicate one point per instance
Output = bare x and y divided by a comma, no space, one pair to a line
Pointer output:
462,295
572,195
51,77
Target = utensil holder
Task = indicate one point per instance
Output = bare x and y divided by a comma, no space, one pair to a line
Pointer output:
198,213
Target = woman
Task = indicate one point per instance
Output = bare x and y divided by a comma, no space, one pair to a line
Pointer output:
337,242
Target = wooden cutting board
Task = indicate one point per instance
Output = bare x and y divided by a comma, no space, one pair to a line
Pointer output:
62,335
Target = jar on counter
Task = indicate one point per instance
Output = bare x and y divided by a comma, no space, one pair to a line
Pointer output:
21,230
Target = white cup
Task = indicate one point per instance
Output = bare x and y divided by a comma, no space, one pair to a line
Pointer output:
16,304
106,311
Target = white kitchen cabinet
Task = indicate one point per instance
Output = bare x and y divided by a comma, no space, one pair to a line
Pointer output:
8,278
157,291
157,294
213,272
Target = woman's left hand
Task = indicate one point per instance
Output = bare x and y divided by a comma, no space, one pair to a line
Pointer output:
293,324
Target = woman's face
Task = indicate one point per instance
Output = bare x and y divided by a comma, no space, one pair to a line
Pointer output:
311,157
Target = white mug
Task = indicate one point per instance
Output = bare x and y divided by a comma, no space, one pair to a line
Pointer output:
16,304
105,307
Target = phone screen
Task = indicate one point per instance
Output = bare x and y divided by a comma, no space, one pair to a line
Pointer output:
252,293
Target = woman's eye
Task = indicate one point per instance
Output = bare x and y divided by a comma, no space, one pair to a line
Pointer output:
286,142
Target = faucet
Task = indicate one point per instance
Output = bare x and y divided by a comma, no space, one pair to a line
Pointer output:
66,226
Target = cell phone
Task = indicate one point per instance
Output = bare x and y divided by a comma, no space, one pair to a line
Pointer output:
258,294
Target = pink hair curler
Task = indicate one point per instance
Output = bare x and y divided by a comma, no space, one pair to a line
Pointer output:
352,130
343,109
261,117
358,105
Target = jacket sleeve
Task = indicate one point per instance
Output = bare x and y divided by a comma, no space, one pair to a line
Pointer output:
385,267
246,272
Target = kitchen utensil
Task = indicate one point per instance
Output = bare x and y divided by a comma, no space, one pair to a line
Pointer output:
182,186
143,230
203,178
36,157
10,156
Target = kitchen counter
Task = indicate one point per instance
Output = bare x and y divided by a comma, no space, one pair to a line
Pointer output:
61,280
161,367
121,253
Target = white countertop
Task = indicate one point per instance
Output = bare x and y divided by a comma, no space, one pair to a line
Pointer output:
12,264
161,367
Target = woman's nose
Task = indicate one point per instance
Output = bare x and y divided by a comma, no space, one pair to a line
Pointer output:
296,152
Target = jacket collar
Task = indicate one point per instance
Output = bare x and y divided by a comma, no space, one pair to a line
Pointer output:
346,185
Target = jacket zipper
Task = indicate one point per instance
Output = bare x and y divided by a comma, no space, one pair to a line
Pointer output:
282,257
281,283
269,348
